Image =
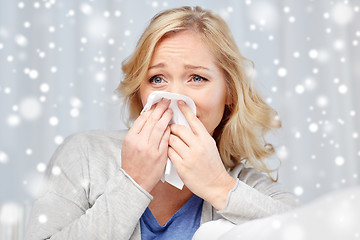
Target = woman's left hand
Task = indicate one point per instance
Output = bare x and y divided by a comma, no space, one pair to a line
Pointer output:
197,160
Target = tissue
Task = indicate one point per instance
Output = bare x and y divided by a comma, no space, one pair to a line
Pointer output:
170,174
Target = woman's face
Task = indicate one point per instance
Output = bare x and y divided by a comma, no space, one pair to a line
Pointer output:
182,63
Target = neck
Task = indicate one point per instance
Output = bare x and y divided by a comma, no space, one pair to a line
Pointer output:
167,200
166,192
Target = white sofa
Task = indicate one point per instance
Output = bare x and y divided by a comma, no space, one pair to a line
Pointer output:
334,216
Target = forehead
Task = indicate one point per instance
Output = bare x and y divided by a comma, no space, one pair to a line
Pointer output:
184,43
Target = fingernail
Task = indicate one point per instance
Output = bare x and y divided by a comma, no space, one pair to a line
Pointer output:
181,102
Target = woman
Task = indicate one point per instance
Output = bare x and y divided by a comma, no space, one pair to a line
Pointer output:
109,186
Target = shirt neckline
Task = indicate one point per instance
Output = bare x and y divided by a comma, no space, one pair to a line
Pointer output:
157,227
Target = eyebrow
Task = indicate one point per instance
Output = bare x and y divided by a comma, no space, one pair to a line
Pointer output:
195,67
160,65
187,66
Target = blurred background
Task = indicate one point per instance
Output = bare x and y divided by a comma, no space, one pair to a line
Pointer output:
60,62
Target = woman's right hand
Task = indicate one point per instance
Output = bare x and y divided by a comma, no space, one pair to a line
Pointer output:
145,147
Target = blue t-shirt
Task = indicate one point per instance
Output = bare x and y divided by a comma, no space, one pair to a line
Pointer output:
182,225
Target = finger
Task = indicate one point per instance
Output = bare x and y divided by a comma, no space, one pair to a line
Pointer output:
178,146
140,121
194,123
155,117
184,133
164,143
159,128
175,159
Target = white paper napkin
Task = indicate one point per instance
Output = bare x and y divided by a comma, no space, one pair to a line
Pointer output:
170,174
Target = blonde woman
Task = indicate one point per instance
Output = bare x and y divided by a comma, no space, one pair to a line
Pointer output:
109,186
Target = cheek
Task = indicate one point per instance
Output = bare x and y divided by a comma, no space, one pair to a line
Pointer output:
144,94
212,101
210,109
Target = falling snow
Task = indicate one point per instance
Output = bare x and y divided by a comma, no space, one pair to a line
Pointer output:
342,13
59,75
56,170
339,161
42,218
343,89
313,53
313,127
13,120
41,167
29,151
33,74
282,72
30,108
3,157
53,121
58,139
21,40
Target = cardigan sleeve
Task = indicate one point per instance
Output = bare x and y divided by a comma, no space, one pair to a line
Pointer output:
64,212
255,195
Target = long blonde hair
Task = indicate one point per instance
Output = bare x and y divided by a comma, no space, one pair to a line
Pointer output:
240,134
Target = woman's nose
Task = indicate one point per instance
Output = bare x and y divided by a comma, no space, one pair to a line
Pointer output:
176,88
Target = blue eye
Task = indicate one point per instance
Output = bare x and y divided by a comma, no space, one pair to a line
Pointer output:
156,79
197,78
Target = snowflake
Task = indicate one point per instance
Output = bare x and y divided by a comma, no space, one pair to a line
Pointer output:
127,33
297,134
29,151
56,170
313,53
27,24
51,29
33,74
296,54
30,108
299,89
343,89
298,190
3,157
21,40
42,218
86,9
21,5
282,72
154,4
10,58
100,77
74,112
322,101
36,5
13,120
58,139
53,69
282,153
339,160
44,87
313,127
41,167
117,13
53,121
341,13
